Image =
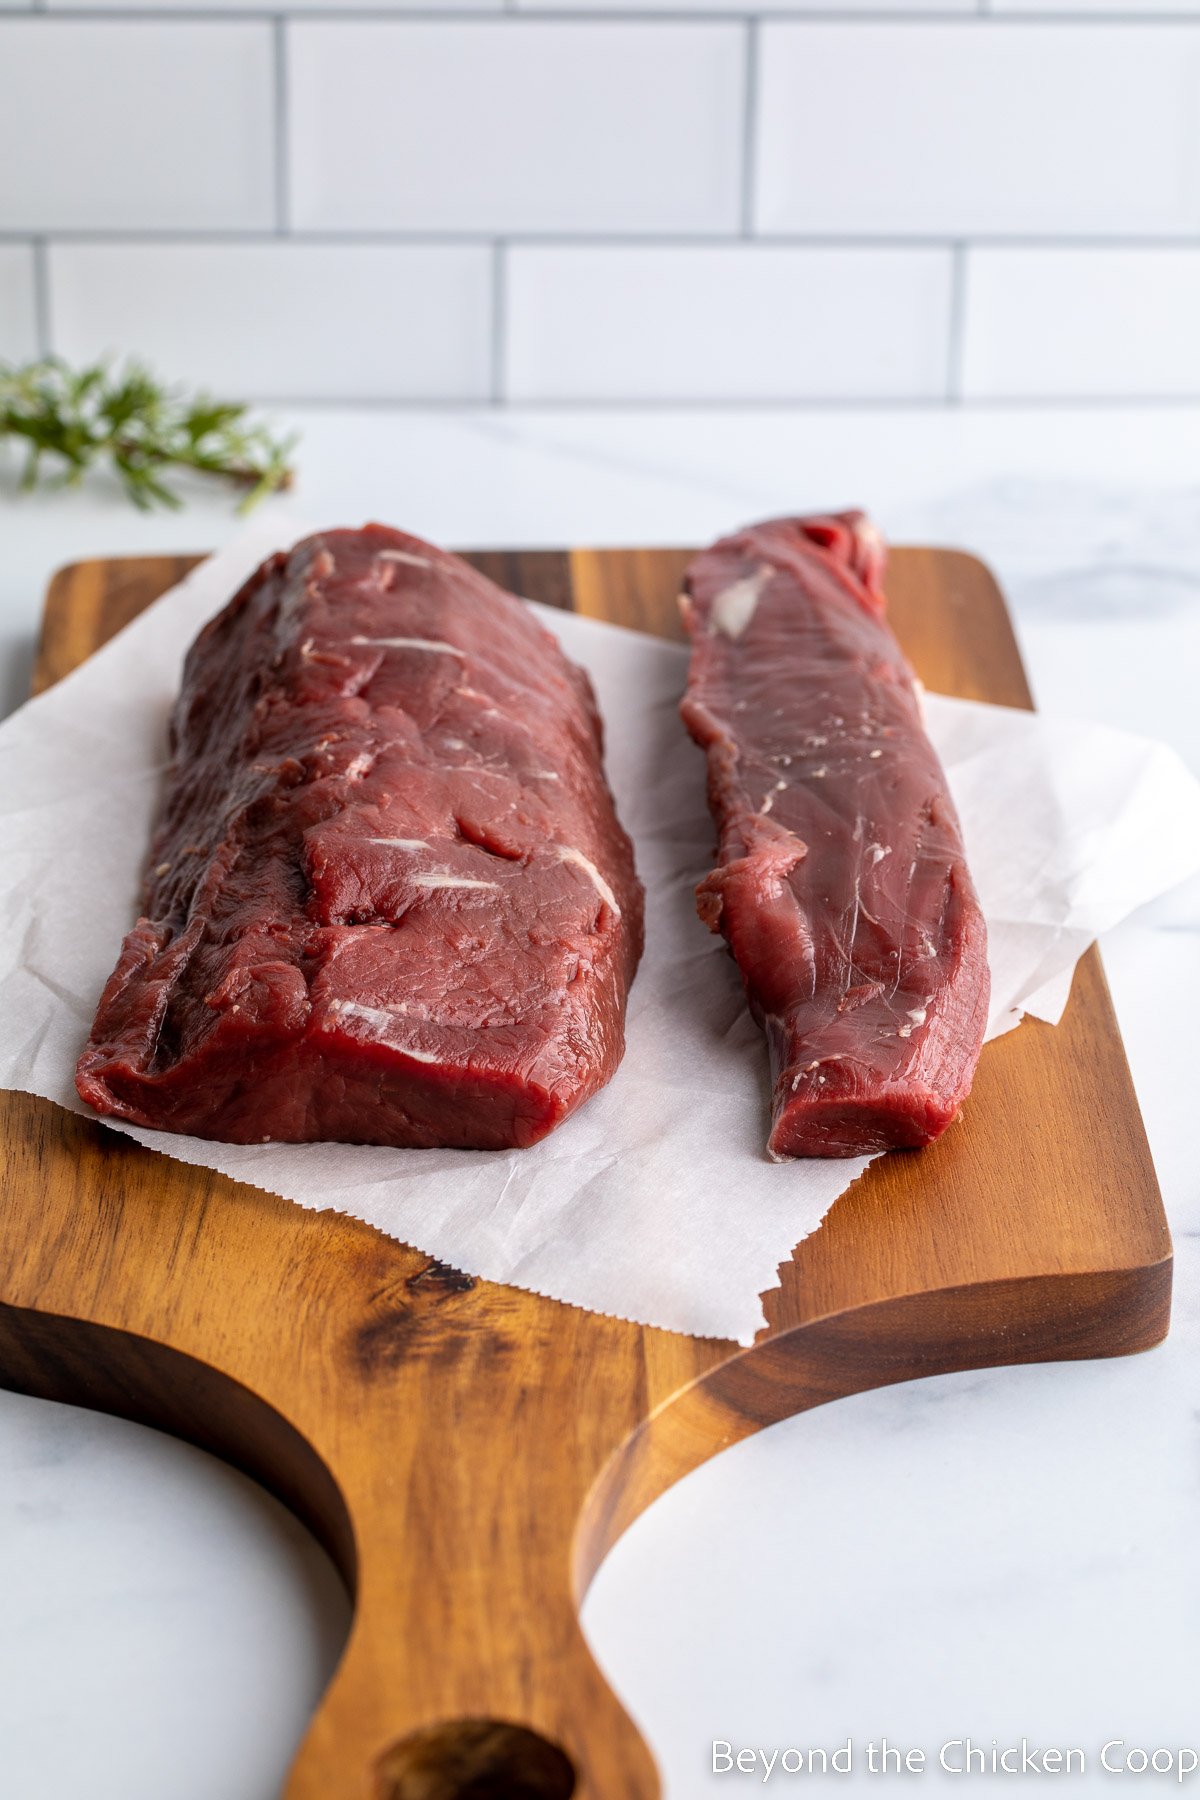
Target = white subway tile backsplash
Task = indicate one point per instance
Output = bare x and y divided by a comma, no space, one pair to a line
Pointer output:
736,323
621,150
979,128
516,125
282,320
118,125
1068,324
18,308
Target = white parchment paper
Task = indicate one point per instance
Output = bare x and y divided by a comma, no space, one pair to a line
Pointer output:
656,1201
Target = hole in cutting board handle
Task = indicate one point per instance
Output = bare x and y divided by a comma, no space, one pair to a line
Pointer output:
474,1759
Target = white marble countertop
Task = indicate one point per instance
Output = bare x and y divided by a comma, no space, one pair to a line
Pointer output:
1008,1554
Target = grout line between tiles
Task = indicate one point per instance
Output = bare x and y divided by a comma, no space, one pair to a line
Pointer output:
41,297
957,324
663,239
845,403
968,16
282,144
750,128
499,384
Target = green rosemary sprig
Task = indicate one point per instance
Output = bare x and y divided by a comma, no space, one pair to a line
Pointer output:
81,418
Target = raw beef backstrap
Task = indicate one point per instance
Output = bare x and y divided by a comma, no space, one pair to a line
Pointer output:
841,885
388,898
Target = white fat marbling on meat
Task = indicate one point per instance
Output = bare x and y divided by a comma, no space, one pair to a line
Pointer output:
869,534
401,843
769,802
489,711
808,1069
568,854
411,643
877,852
734,606
381,1017
438,878
403,556
370,1015
917,1017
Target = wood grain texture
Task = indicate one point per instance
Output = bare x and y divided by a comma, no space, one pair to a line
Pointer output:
469,1452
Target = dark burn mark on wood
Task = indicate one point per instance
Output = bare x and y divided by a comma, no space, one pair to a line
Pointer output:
420,1317
441,1278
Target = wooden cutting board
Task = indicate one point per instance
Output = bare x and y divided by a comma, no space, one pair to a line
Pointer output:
469,1452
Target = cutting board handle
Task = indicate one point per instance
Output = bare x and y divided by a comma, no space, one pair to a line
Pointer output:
471,1570
467,1671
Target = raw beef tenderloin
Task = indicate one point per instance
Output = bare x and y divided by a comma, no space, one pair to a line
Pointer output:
841,886
388,898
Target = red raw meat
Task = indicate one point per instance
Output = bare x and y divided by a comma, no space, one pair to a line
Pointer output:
388,899
841,885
